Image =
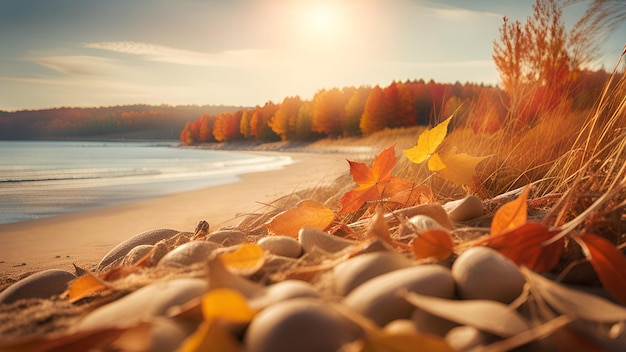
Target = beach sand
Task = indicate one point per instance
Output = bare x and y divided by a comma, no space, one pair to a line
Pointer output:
85,237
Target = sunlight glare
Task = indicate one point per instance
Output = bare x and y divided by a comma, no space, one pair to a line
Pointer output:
323,20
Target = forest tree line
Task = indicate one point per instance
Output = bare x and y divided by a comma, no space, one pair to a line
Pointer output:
129,121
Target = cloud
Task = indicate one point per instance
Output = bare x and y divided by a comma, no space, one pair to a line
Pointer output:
161,53
79,65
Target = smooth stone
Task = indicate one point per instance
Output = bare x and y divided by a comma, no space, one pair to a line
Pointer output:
431,324
226,237
432,210
303,325
465,338
283,291
43,284
188,253
468,208
355,271
418,224
167,335
148,237
137,253
144,303
379,298
281,245
484,273
311,238
400,327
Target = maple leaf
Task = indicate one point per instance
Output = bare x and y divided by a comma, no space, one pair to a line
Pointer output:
373,182
608,262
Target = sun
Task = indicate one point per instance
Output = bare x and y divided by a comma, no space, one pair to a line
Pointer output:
323,20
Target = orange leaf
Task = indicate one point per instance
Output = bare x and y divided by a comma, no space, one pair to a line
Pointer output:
308,213
511,215
210,336
608,262
246,260
85,286
436,243
524,245
371,181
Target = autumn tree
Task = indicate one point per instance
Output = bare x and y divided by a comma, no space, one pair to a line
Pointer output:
226,126
375,113
354,110
304,121
284,121
244,123
186,135
259,122
327,114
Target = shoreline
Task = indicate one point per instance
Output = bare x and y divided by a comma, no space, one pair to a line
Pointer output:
82,238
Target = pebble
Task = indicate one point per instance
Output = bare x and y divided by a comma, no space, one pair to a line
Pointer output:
283,291
379,299
484,273
281,245
147,302
148,237
167,335
188,253
311,238
432,210
401,327
468,208
465,338
43,284
226,237
135,254
351,273
303,325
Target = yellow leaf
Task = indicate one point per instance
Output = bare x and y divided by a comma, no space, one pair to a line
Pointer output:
435,163
85,286
511,215
428,142
386,342
210,336
226,304
308,213
460,168
246,260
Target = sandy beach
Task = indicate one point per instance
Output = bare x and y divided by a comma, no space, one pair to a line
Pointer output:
84,237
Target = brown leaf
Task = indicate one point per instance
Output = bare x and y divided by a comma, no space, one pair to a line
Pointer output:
435,243
608,262
85,286
511,215
308,213
525,245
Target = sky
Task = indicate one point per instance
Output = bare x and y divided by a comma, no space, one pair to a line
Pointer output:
90,53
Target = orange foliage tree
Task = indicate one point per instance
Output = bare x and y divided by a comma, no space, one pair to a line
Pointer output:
328,111
284,121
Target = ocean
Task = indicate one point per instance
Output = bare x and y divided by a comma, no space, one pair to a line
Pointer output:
40,179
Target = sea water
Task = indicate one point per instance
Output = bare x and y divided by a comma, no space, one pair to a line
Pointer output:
40,179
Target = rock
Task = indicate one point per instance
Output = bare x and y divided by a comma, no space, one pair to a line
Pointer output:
464,209
465,338
167,335
43,284
433,210
311,238
401,327
417,224
484,273
283,291
135,254
379,299
281,245
304,325
148,237
355,271
227,237
431,324
144,303
188,253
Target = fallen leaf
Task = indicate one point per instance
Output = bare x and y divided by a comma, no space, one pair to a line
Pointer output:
428,142
226,304
574,303
459,168
307,213
371,181
246,260
511,215
409,196
490,316
526,245
435,243
210,336
85,286
386,342
608,262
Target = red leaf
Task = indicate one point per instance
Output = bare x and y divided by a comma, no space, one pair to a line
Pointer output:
372,181
608,262
524,245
